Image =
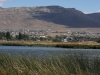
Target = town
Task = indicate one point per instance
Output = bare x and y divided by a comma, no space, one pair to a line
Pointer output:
49,35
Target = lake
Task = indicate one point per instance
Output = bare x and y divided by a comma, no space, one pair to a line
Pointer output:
47,51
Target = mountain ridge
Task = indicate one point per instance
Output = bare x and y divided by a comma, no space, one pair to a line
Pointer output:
45,17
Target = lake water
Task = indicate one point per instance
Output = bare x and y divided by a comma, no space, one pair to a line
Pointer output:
47,51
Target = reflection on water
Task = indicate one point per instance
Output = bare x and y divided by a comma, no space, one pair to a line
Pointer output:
47,51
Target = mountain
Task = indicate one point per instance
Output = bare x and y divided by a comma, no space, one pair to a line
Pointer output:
44,17
95,16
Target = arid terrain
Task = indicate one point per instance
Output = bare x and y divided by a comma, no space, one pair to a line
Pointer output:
48,17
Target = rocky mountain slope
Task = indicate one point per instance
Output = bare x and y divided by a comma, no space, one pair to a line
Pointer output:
53,17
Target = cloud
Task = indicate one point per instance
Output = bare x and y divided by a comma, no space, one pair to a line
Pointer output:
98,11
91,12
2,1
87,12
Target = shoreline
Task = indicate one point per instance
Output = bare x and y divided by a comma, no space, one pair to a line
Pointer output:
75,45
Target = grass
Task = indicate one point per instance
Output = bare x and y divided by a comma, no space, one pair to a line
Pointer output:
60,65
84,45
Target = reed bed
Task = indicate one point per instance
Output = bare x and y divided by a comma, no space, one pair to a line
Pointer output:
52,44
60,65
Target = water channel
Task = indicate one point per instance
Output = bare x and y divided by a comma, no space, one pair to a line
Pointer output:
47,51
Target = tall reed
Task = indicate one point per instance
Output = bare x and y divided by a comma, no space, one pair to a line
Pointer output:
60,65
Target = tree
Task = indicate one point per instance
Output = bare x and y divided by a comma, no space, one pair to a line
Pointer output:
25,37
2,35
8,36
57,39
20,36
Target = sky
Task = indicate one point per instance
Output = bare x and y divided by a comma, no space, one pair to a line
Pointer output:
86,6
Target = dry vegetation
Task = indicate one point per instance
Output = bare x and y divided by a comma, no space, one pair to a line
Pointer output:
90,44
61,65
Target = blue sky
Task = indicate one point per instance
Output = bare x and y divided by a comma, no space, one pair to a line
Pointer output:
87,6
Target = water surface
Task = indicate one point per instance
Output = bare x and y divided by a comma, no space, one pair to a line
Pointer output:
47,51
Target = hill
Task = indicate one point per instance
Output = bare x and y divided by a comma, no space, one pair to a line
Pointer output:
46,17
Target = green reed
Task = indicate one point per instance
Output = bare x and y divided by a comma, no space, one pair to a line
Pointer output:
59,65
